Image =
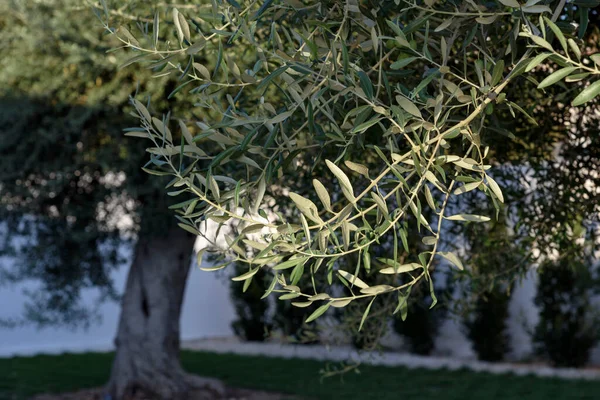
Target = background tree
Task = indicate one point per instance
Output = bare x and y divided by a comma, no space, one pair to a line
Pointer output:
69,178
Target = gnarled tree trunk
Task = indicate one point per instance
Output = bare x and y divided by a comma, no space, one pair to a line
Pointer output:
147,342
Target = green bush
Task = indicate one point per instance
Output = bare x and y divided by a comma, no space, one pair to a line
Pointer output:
252,312
374,327
422,324
291,321
487,327
567,330
254,322
493,251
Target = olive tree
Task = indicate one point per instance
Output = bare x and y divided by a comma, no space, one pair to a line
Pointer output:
325,130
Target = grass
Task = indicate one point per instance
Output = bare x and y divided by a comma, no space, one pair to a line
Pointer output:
21,377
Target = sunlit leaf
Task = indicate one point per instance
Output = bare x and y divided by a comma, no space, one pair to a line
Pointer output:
556,77
343,179
318,312
452,258
510,3
587,94
355,281
306,207
468,217
408,106
246,275
396,268
359,168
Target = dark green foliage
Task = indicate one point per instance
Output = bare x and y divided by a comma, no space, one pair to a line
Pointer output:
560,152
48,175
375,326
420,330
486,326
367,339
64,161
568,327
422,324
290,320
495,257
252,323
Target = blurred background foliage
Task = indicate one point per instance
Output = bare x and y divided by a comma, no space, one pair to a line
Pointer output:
71,185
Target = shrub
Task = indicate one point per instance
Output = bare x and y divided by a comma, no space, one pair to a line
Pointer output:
374,326
567,330
422,324
252,323
493,251
290,320
487,327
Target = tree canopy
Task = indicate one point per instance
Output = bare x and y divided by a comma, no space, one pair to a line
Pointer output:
374,119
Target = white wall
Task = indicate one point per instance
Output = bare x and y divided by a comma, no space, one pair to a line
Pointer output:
207,312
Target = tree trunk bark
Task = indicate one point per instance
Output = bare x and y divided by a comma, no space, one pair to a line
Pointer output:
147,342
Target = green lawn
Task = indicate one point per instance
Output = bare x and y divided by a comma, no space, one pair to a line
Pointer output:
21,377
